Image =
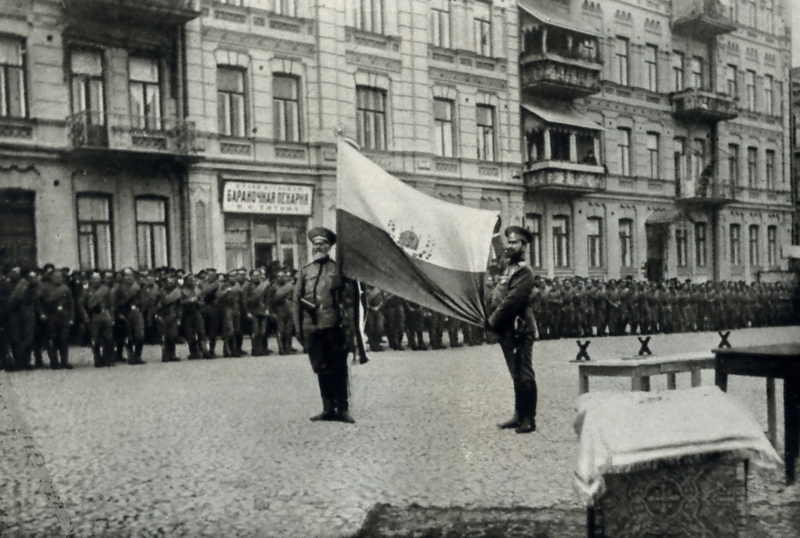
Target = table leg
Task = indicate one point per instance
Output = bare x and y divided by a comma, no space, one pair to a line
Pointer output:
640,382
584,382
720,377
772,428
791,418
696,377
671,383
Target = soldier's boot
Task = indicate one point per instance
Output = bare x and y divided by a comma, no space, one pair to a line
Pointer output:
193,349
528,408
516,420
281,345
342,400
212,348
326,390
171,352
64,355
37,358
137,354
204,349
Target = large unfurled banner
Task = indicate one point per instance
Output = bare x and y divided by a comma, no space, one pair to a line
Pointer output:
407,243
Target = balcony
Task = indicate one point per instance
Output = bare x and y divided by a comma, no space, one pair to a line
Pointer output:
98,133
705,193
702,18
702,105
556,75
137,12
562,177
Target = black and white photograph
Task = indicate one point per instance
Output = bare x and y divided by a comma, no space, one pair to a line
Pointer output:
400,268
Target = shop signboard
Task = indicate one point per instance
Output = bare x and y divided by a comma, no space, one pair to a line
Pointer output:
266,198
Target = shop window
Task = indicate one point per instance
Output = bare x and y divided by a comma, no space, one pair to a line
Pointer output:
95,239
13,94
145,93
152,237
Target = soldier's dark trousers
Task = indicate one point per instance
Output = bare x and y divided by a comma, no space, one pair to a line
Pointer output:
518,354
212,323
258,335
192,327
328,357
101,336
284,321
39,345
58,344
21,335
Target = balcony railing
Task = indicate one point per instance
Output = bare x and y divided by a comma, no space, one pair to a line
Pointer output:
135,134
706,192
157,12
694,104
702,18
564,177
548,73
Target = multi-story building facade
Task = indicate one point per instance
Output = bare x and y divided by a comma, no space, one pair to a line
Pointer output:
795,144
642,139
656,137
203,133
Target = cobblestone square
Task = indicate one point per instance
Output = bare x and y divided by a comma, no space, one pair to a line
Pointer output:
224,447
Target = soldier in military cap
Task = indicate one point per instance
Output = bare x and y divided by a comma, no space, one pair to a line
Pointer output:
318,318
511,318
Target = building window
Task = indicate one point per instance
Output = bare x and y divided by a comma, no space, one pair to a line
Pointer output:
482,29
534,225
152,239
594,227
750,87
651,67
88,89
697,72
733,163
285,7
772,245
622,54
753,232
286,107
231,101
652,153
624,150
736,246
752,164
680,158
750,13
371,117
485,121
440,27
769,101
677,71
13,96
770,169
698,157
731,78
145,93
443,127
95,241
368,15
561,241
700,244
626,242
779,97
682,246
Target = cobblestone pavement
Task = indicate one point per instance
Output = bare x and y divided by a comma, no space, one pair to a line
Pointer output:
225,448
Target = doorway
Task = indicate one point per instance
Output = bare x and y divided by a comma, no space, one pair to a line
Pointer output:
656,235
17,228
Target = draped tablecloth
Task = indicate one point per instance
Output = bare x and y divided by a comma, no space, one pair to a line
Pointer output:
620,432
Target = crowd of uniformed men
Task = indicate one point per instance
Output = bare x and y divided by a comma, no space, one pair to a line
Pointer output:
44,311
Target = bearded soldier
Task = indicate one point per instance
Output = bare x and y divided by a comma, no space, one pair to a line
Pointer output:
511,318
318,317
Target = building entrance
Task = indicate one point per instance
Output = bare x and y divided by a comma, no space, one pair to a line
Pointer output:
17,228
656,235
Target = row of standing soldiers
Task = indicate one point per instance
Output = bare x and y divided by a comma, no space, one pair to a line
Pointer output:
580,307
118,312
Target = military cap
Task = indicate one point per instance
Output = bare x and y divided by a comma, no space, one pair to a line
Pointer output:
323,233
519,232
